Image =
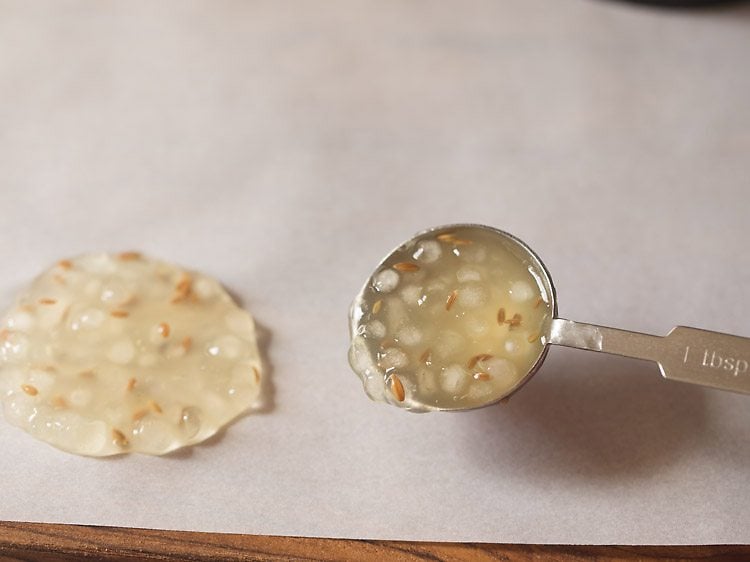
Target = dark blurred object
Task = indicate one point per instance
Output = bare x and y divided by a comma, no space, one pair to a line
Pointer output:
685,3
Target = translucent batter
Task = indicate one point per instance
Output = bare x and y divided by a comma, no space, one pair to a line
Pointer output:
453,319
107,354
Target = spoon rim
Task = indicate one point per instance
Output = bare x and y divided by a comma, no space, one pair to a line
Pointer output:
548,286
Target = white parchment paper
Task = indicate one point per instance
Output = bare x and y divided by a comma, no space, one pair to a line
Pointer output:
285,147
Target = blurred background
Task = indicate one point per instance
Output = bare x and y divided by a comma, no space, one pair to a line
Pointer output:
583,126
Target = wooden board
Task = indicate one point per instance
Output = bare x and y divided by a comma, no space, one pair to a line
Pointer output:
46,542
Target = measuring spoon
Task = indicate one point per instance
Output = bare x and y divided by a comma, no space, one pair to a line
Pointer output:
461,316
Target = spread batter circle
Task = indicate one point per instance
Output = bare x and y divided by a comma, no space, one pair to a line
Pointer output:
114,353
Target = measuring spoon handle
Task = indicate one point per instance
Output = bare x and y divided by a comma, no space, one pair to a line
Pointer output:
685,354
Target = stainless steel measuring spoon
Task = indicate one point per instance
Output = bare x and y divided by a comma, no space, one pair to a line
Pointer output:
441,325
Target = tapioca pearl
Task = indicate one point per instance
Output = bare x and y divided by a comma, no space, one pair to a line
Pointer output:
375,329
213,402
239,390
454,379
41,423
109,294
472,295
447,344
121,352
59,428
205,288
100,263
148,360
14,347
515,345
498,295
409,336
51,315
11,380
87,437
503,372
427,251
481,390
393,358
227,346
472,253
476,327
79,351
385,281
467,274
411,294
396,313
189,423
164,272
360,356
239,322
20,320
92,288
426,381
89,319
521,291
41,380
436,287
118,292
153,435
374,384
80,397
20,409
499,274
